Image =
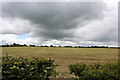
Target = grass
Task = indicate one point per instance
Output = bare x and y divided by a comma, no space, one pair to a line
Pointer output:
65,56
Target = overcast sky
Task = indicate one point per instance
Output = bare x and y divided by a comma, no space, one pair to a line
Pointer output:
60,23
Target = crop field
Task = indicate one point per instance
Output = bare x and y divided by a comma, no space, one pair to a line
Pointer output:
65,56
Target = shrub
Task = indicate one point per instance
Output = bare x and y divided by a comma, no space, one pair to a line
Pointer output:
96,71
21,68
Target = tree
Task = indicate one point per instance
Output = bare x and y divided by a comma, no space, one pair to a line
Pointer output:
51,45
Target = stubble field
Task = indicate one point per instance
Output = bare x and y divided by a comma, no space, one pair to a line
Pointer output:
65,56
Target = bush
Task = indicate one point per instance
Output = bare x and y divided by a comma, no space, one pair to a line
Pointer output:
96,71
27,69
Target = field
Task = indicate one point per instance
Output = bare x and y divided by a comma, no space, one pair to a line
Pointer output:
65,56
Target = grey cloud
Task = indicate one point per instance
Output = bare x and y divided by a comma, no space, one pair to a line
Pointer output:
53,19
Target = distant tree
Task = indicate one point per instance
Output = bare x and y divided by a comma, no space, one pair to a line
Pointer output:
15,45
25,45
46,46
59,46
6,45
68,46
10,45
32,45
75,46
51,45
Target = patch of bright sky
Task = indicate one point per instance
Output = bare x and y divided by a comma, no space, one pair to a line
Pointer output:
23,36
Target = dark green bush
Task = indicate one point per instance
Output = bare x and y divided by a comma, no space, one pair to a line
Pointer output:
27,68
96,71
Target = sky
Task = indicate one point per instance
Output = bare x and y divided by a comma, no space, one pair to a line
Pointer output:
60,23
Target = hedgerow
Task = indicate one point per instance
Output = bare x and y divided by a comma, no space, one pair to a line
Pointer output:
96,71
21,68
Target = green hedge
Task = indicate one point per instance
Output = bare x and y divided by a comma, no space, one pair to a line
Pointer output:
27,68
21,68
96,71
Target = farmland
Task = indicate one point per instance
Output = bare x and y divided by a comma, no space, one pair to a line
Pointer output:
65,56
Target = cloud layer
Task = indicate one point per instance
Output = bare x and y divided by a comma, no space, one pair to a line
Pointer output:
61,21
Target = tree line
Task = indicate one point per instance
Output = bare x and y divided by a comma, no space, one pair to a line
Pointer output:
32,45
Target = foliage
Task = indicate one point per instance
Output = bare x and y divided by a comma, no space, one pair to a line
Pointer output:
21,68
32,45
96,71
